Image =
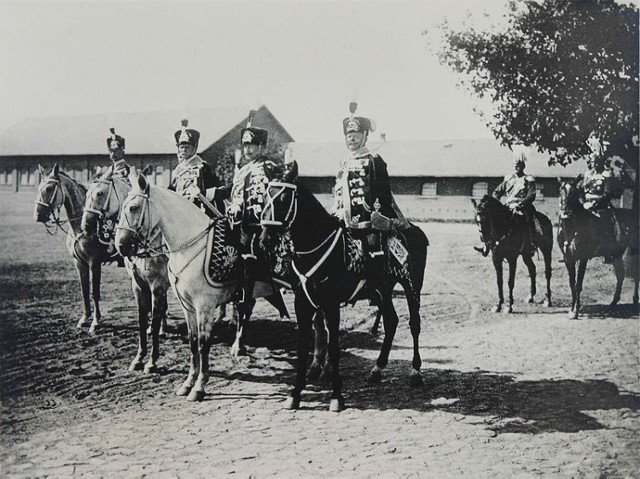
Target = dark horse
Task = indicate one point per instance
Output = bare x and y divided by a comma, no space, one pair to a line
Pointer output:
504,234
324,258
56,191
580,236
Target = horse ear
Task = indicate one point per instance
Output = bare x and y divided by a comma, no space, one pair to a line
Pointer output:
143,184
475,204
42,171
291,172
56,170
147,170
108,174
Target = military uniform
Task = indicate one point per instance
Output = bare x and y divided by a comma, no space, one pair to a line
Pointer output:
196,172
120,167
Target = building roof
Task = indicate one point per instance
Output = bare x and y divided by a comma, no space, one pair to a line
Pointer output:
144,132
439,158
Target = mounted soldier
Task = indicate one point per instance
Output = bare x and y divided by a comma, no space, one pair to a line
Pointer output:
115,144
599,186
363,199
193,178
245,211
518,192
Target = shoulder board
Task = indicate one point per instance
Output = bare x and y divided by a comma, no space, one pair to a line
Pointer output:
529,178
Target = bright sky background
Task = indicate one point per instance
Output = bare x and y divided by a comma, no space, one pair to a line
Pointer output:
305,60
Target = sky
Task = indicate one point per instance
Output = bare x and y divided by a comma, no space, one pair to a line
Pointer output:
304,60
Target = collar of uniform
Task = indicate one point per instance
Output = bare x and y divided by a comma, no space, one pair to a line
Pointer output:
120,163
359,153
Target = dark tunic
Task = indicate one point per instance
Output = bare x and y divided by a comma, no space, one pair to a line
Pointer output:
195,171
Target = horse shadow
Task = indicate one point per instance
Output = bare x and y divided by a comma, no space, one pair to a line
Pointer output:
603,311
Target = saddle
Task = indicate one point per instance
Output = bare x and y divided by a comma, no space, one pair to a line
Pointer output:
222,264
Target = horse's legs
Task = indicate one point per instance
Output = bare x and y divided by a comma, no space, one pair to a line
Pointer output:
546,254
96,277
245,308
528,261
143,301
618,267
414,325
320,347
513,262
332,319
571,271
497,264
83,273
205,329
192,327
158,315
376,322
304,316
390,321
582,268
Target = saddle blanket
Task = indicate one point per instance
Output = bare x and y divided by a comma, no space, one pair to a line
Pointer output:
222,264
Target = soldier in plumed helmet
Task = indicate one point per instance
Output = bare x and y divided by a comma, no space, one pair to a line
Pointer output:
363,199
518,192
193,178
115,144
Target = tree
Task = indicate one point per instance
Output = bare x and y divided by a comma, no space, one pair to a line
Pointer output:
560,70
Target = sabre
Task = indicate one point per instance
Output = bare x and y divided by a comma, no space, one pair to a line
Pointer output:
209,205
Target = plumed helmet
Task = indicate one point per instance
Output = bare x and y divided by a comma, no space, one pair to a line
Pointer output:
251,135
596,145
114,141
186,135
357,123
520,153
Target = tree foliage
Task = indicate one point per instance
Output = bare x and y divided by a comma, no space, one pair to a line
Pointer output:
559,71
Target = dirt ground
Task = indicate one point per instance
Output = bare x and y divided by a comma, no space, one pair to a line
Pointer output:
527,394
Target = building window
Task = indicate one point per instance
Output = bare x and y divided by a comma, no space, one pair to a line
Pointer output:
429,190
480,189
539,192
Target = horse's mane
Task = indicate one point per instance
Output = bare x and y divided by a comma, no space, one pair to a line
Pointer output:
317,207
81,187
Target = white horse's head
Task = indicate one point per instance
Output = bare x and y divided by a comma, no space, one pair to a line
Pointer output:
136,220
50,195
104,199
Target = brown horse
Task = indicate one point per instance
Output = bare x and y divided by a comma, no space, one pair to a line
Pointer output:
503,232
148,270
580,238
328,264
56,191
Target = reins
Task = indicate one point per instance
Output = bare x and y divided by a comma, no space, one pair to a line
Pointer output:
55,222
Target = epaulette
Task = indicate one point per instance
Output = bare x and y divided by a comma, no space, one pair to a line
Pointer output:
529,178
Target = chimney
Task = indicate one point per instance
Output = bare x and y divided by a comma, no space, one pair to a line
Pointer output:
383,137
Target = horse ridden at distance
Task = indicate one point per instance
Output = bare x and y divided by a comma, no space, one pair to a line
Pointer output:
330,267
582,236
147,270
56,191
503,232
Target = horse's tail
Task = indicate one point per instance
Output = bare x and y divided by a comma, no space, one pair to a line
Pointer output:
417,243
544,237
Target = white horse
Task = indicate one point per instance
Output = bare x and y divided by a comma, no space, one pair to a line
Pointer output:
148,272
185,229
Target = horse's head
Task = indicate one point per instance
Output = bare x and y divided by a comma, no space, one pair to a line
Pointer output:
136,222
103,200
488,209
280,203
568,197
50,195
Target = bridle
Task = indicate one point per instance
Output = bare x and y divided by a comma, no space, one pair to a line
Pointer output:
54,221
268,217
145,240
102,213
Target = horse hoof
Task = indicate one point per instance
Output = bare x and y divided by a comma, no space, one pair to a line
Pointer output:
292,404
573,314
136,365
375,376
497,309
336,405
415,379
238,350
150,369
509,310
530,299
92,329
195,395
82,322
183,390
547,303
